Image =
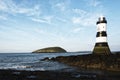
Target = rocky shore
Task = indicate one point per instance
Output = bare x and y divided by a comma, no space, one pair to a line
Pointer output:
57,75
90,61
87,67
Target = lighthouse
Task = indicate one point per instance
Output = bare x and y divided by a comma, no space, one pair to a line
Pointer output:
101,45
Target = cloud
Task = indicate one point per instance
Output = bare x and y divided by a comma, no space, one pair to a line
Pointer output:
3,5
76,30
61,19
78,16
9,7
79,11
3,17
44,19
39,31
26,11
93,3
85,21
38,20
85,18
35,11
60,5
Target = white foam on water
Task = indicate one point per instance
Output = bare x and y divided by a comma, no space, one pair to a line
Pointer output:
15,67
31,62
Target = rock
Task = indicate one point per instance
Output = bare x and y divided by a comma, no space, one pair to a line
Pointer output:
50,50
90,61
45,59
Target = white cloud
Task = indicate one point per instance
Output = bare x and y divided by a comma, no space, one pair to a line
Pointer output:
44,19
38,20
48,19
3,17
61,19
79,11
3,5
76,30
61,6
35,11
39,31
85,21
8,6
85,18
93,3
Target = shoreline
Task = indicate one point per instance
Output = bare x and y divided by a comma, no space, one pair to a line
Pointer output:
57,75
85,67
84,72
90,61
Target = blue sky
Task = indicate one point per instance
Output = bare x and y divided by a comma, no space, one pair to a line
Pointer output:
27,25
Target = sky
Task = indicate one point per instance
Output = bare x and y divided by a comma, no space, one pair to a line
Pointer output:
28,25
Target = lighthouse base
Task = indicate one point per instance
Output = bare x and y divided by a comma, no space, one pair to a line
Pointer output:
101,49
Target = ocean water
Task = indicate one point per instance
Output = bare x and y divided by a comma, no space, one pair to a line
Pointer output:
32,61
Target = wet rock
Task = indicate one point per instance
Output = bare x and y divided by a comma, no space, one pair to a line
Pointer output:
46,59
103,62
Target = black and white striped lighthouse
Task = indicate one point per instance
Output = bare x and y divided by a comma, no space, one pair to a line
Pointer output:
101,46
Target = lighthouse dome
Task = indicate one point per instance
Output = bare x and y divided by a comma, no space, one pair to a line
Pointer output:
101,20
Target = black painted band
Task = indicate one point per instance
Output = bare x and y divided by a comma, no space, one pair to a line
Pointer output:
101,44
101,34
104,21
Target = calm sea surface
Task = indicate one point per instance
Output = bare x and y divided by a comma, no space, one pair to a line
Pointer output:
32,61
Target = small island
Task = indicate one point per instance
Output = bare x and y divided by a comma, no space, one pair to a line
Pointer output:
50,50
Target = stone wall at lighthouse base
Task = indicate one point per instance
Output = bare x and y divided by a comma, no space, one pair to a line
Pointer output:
101,49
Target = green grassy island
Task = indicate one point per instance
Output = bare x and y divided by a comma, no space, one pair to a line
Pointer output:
50,50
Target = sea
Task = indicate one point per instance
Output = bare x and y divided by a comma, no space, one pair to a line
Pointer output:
33,61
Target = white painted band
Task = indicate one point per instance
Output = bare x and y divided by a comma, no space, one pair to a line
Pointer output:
101,27
101,39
